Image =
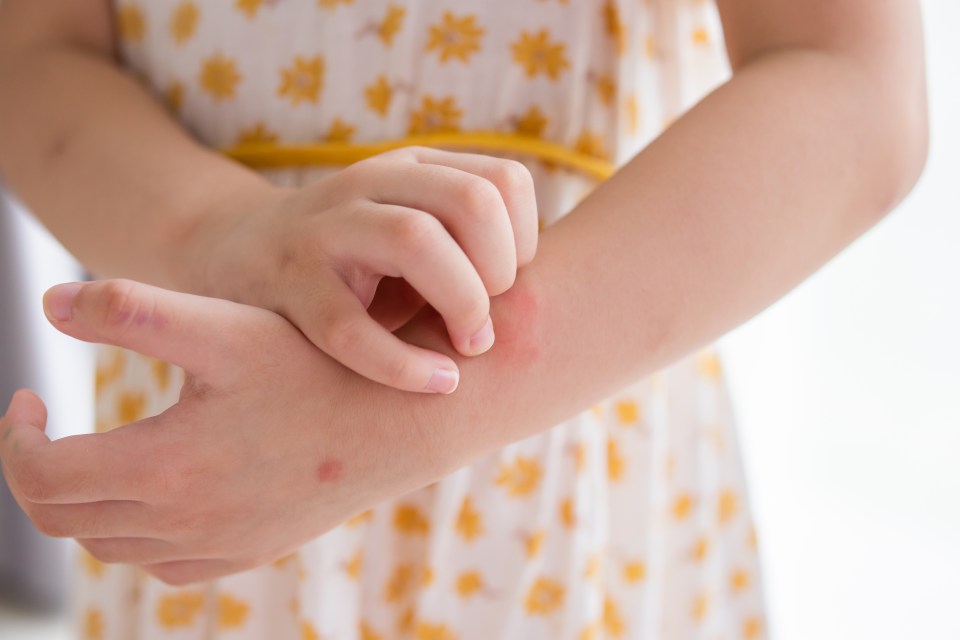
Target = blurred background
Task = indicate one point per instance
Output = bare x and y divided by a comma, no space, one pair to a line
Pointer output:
847,392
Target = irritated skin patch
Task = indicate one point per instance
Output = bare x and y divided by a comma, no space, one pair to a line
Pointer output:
329,471
515,327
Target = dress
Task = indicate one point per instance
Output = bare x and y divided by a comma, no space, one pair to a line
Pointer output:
627,521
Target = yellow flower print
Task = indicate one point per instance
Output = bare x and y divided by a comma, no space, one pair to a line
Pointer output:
249,7
616,463
257,134
231,612
406,621
428,576
131,23
593,565
726,506
408,519
93,625
91,565
307,632
579,457
590,632
682,506
701,549
650,47
632,108
183,22
455,37
469,521
355,565
739,580
427,631
606,89
391,24
379,94
533,543
161,373
360,518
752,628
752,538
701,605
340,131
708,365
367,632
568,513
469,583
109,372
302,80
130,406
544,596
280,563
612,619
436,116
700,36
332,4
219,77
520,478
173,96
399,584
531,123
590,144
628,412
634,571
537,54
179,609
614,26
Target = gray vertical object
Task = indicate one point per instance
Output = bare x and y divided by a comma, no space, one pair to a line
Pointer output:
32,566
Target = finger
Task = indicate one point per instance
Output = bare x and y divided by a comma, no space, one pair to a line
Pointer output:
470,207
129,463
105,519
395,303
397,241
335,320
21,438
512,179
132,550
196,333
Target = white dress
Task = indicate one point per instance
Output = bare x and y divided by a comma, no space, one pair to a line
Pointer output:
627,521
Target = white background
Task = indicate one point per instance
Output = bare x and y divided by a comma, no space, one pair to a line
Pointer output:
848,397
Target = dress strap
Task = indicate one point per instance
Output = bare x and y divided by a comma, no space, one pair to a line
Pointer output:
270,156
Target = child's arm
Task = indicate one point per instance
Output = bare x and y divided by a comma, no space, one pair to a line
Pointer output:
819,133
132,195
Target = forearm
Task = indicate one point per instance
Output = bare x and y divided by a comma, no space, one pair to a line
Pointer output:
742,199
104,167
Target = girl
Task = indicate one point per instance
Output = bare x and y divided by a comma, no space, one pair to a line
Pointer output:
583,481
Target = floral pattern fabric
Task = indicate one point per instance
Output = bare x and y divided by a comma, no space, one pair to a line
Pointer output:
630,520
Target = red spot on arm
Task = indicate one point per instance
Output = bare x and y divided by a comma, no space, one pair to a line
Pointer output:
516,318
329,471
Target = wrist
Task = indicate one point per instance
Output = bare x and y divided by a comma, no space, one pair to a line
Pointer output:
225,250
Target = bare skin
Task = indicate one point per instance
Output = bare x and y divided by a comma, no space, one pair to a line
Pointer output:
819,133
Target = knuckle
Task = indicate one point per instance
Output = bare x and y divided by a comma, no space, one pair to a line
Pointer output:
34,484
511,176
120,306
397,372
479,197
416,233
342,335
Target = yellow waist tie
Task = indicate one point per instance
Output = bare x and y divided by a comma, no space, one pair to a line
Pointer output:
272,156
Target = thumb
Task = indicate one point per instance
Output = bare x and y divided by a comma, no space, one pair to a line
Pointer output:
196,333
22,427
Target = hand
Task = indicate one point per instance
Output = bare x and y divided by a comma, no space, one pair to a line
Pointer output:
421,224
271,444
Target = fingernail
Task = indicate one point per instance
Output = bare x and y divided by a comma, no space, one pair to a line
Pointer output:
59,300
483,339
443,381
